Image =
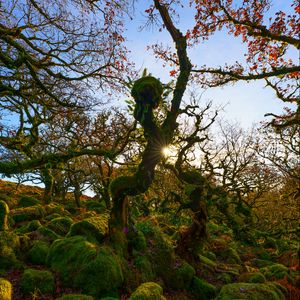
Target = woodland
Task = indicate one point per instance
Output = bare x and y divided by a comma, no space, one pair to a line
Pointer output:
138,189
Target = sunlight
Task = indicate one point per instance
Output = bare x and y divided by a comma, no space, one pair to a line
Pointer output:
169,152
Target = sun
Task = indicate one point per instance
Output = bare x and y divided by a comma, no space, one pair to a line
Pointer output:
169,152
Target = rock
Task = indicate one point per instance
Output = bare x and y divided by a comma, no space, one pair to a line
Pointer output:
38,253
202,290
36,279
60,225
5,289
250,291
4,211
148,291
26,201
93,228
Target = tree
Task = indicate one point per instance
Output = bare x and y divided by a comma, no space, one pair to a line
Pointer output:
268,42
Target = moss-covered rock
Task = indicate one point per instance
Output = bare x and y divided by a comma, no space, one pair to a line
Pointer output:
96,206
47,234
55,208
5,289
254,277
203,290
38,253
148,291
4,211
182,277
250,291
36,212
29,227
276,271
160,251
26,201
94,228
81,264
137,241
144,268
75,297
33,280
9,245
102,275
60,225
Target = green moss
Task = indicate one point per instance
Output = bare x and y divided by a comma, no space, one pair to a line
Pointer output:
9,244
102,275
122,183
93,228
38,253
160,251
182,277
4,211
48,234
206,261
147,90
60,225
75,297
26,201
250,291
260,263
29,227
97,206
36,212
33,280
69,256
255,277
5,289
276,271
137,241
144,267
148,291
202,290
83,265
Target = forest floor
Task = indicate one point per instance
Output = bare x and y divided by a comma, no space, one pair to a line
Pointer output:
59,251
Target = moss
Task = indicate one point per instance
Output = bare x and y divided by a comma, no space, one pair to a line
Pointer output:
33,280
102,275
147,90
60,225
144,267
4,211
148,291
29,227
206,261
160,251
75,297
83,265
97,206
225,278
202,290
68,256
255,277
137,241
55,208
38,253
250,291
93,228
122,183
5,289
260,263
26,201
276,271
182,277
48,234
28,213
9,244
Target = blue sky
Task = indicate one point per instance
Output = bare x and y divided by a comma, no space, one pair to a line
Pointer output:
245,102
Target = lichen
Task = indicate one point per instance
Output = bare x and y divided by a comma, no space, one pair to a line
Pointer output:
4,211
148,291
93,229
5,289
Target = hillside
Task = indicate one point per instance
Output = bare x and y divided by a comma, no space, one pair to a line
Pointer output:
58,251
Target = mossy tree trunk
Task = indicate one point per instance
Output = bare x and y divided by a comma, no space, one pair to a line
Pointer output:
48,180
156,136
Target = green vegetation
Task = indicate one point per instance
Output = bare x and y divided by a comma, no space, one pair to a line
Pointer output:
5,289
4,211
148,291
